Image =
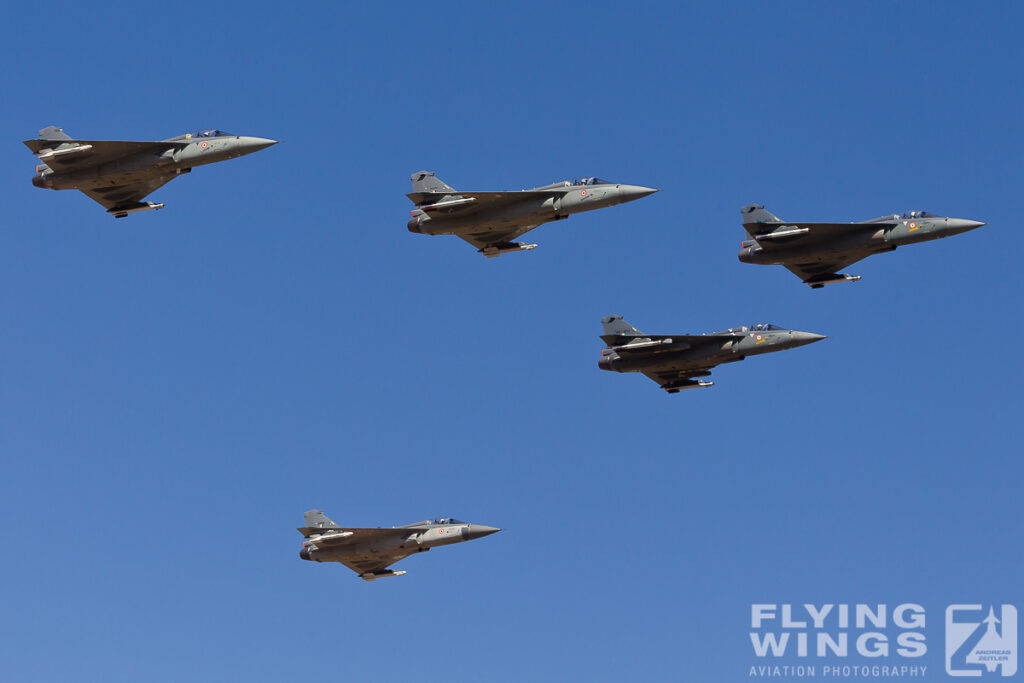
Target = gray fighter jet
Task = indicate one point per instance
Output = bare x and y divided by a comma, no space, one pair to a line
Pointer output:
816,251
675,361
369,552
120,173
490,220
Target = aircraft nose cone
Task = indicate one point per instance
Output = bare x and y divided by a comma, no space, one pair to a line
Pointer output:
304,554
962,224
479,531
37,180
250,144
801,338
628,193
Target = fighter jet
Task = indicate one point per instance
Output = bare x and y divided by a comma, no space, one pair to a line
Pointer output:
369,552
120,173
490,220
814,252
676,361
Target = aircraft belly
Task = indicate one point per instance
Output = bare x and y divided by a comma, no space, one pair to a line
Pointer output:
664,361
505,218
112,173
361,550
139,164
851,242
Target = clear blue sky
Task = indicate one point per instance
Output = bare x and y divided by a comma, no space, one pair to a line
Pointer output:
179,386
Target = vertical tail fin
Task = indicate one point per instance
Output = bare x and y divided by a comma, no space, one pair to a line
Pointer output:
54,133
318,520
755,213
426,181
616,326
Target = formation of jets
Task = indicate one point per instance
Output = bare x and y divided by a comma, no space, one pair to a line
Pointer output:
120,174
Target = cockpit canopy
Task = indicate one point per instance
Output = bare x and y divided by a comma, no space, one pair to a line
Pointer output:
446,520
209,133
764,327
589,181
918,214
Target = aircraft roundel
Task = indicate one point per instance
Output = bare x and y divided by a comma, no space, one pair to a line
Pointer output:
913,226
440,531
205,145
583,193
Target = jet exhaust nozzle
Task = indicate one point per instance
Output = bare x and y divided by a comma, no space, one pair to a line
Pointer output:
749,251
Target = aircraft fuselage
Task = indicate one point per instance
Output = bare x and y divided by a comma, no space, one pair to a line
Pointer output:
149,165
863,238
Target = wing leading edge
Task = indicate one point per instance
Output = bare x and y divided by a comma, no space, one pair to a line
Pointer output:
354,534
478,199
653,343
789,234
71,155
